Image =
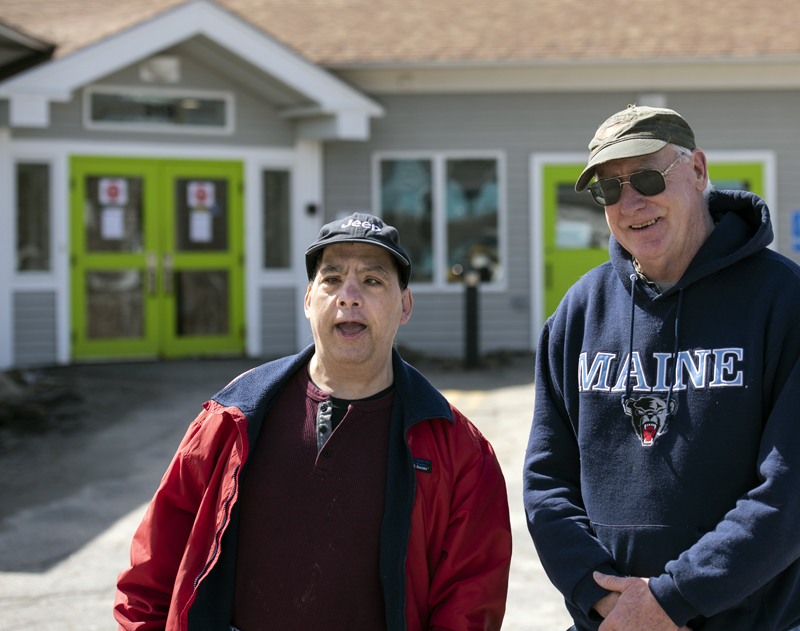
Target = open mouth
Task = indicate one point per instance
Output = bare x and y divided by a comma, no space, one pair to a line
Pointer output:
645,224
351,328
649,431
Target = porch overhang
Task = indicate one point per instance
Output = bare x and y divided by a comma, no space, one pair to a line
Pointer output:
339,112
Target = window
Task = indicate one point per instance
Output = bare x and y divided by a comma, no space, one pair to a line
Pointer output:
580,221
406,204
447,209
152,109
33,217
277,213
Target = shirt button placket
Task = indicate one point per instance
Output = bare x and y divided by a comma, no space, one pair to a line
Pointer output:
324,413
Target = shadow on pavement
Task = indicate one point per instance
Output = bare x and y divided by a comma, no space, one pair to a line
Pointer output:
97,439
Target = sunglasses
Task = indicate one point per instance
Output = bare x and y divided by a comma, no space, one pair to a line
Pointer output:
607,192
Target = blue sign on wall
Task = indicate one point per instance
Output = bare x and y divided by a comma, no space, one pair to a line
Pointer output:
796,231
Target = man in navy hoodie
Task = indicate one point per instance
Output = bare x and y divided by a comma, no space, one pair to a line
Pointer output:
662,477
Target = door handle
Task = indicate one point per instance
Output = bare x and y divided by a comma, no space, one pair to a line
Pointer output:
167,273
151,273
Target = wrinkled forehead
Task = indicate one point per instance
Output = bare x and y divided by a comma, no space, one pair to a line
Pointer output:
358,256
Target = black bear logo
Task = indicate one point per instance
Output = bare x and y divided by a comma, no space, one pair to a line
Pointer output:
649,417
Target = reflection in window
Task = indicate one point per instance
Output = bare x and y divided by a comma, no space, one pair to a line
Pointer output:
113,214
33,217
406,204
731,185
472,219
276,219
580,222
201,215
202,302
114,304
148,109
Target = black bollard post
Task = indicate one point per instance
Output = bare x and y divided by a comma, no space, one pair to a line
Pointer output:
471,281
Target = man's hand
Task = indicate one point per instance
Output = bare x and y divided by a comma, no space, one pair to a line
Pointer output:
634,608
606,604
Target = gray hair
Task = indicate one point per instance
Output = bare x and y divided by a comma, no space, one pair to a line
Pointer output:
685,153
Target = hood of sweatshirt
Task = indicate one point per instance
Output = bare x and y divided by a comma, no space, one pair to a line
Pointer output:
743,228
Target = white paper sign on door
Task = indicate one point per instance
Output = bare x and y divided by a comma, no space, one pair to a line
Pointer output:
113,191
200,194
112,223
201,228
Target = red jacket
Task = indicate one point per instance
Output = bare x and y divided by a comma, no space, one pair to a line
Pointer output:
445,539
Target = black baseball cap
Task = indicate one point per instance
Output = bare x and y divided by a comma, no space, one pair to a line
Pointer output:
360,228
633,132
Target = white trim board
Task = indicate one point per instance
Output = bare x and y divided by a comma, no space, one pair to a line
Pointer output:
610,76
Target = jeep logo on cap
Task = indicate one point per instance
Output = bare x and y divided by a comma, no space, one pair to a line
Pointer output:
364,224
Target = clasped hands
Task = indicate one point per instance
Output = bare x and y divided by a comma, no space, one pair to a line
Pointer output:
631,606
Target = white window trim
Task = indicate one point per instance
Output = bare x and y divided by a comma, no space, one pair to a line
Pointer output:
439,223
228,97
32,277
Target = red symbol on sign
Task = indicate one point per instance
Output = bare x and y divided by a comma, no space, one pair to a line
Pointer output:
200,194
113,191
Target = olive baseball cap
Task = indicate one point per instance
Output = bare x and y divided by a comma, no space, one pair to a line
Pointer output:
635,131
360,228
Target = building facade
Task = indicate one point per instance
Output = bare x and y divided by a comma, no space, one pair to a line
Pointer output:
158,185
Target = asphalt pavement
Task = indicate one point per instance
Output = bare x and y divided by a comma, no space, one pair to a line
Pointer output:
77,474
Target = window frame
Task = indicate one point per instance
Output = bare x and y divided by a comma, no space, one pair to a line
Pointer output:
438,159
227,97
263,199
34,273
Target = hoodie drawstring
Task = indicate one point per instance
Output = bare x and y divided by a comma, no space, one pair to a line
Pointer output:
675,353
628,384
627,394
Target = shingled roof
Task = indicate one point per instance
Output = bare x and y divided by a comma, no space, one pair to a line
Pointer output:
352,33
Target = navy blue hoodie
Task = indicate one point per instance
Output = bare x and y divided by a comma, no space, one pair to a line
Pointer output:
687,472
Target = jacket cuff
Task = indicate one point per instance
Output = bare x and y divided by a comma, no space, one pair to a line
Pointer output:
588,592
671,600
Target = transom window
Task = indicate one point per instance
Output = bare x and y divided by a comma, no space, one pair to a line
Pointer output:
449,210
157,109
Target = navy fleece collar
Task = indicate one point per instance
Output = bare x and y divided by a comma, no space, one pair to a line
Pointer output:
254,392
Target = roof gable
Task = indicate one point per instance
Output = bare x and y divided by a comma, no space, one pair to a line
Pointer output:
339,111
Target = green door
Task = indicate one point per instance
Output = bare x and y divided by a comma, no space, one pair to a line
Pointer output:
575,229
157,258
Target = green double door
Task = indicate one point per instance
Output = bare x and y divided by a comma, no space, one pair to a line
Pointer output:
575,229
157,258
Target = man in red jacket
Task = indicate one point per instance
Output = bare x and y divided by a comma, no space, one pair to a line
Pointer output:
332,489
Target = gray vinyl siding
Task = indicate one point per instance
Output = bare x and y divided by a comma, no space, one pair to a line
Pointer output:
278,324
520,125
34,328
257,122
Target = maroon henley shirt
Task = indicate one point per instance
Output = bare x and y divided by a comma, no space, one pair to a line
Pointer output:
312,504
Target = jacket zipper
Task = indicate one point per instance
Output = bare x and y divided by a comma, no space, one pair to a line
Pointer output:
220,529
408,530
